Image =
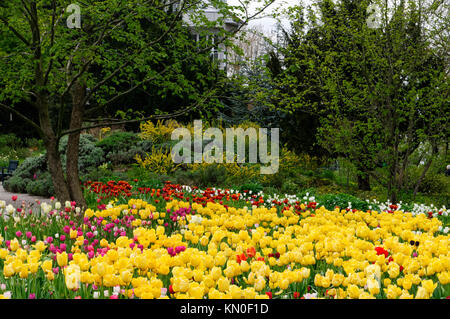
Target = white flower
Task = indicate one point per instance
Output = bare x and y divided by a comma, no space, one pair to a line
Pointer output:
7,294
46,208
16,219
24,242
10,209
106,293
96,294
196,219
310,296
116,290
57,205
77,210
446,229
2,204
68,204
3,287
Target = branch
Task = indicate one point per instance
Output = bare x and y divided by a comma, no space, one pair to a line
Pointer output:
23,117
18,35
167,68
151,117
120,68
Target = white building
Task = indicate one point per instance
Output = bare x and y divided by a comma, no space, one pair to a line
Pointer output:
219,52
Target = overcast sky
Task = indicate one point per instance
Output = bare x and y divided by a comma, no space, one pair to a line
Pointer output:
268,23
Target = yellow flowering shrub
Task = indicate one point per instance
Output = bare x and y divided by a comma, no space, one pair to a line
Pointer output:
158,161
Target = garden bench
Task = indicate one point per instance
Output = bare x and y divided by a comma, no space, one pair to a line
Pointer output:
8,171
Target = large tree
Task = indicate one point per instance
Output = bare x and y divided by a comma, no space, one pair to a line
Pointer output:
382,88
69,75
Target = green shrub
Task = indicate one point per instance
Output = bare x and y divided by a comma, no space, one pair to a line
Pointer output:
10,141
16,184
150,183
118,141
90,155
41,186
122,147
319,182
327,174
330,201
253,187
184,177
32,177
289,187
432,183
210,175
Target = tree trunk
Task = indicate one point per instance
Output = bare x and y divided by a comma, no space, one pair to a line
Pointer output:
53,156
394,196
425,170
73,146
363,182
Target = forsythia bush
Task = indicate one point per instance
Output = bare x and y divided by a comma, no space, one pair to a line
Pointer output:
158,133
157,161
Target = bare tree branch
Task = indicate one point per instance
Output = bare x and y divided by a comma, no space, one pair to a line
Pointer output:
23,117
151,117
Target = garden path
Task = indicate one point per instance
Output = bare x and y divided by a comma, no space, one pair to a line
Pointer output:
28,199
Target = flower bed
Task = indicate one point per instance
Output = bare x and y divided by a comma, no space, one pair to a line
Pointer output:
181,242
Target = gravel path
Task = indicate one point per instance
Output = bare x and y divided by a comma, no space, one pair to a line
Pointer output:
28,199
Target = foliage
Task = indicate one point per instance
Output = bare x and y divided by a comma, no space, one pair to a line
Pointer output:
122,147
253,187
433,183
330,201
124,53
378,92
90,155
117,141
158,161
158,133
32,175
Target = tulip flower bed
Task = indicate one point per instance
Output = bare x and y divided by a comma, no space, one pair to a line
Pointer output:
180,242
